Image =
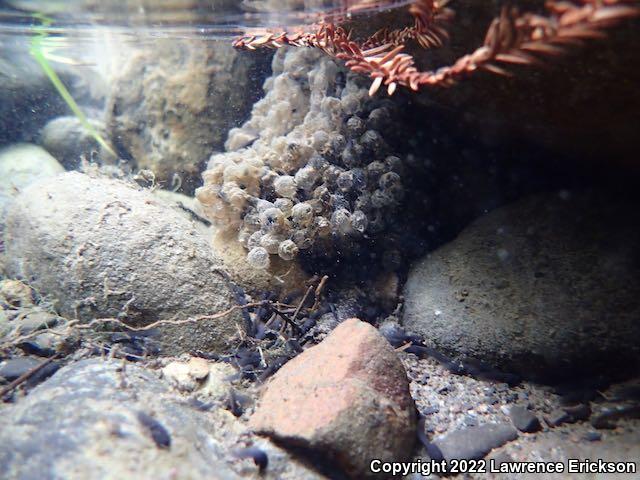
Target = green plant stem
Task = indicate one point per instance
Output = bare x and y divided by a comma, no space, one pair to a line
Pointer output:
37,52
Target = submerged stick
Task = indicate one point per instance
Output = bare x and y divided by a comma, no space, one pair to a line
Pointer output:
26,376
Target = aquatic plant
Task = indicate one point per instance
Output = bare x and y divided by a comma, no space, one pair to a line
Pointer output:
513,38
41,48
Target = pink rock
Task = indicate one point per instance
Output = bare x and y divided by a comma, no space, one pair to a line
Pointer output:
346,399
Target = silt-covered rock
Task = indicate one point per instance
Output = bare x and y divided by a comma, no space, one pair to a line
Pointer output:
547,286
101,248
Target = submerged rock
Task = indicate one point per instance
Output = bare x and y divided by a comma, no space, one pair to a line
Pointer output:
14,293
14,368
547,286
186,376
173,104
105,420
346,399
473,443
101,248
69,141
22,164
523,419
27,97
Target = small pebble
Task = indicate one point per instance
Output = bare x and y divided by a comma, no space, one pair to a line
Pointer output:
473,443
445,390
430,410
578,412
491,399
16,367
523,419
557,418
470,421
258,456
592,436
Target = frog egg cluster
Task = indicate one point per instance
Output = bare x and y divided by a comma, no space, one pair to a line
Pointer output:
311,170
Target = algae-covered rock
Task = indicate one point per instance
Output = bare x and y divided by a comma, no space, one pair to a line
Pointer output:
174,102
101,248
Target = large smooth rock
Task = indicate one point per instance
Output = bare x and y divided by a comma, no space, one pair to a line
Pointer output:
101,248
346,399
109,420
547,286
69,141
22,164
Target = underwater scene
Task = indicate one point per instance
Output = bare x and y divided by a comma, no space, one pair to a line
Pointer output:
319,239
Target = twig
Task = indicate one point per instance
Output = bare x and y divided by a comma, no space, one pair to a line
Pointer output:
151,326
101,321
402,348
304,299
26,376
318,292
286,318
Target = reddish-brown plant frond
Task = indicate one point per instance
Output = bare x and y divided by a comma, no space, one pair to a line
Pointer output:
513,38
